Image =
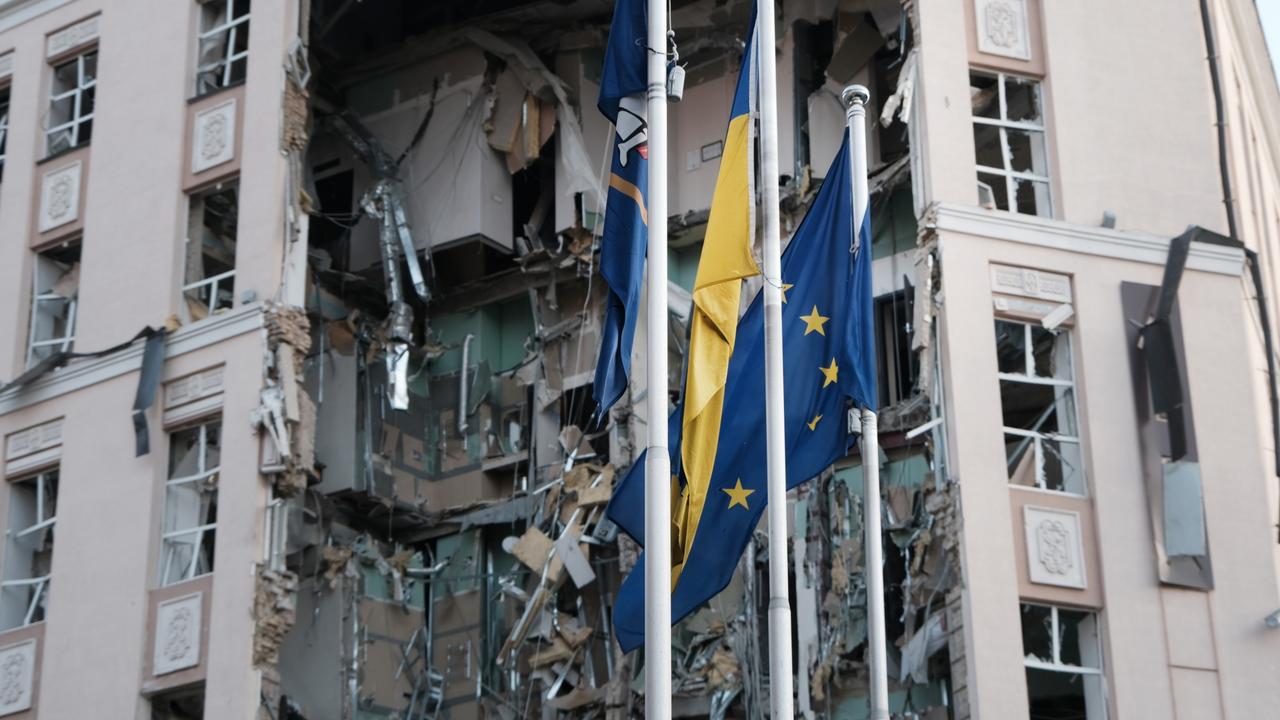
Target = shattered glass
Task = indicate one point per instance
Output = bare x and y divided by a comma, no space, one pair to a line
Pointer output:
999,189
191,502
1026,151
1046,453
986,145
1078,638
1038,408
984,95
1022,99
1037,632
1011,347
222,57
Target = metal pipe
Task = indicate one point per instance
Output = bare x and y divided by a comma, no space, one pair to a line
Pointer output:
856,98
1223,163
781,694
462,386
657,506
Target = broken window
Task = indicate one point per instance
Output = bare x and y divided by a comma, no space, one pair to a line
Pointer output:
190,502
1037,399
184,704
1009,142
209,279
896,367
4,125
53,302
71,98
1063,658
224,45
24,592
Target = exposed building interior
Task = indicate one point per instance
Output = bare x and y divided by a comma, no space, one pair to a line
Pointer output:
445,528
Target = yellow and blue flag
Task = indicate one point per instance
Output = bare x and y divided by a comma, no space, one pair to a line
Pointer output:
713,327
828,367
623,243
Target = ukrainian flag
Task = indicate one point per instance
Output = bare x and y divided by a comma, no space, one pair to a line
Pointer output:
717,291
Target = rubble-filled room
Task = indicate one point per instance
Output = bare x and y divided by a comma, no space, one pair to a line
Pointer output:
439,541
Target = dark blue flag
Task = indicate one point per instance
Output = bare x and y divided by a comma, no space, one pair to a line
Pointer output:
829,366
622,247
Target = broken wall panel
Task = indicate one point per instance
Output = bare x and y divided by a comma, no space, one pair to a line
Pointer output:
458,187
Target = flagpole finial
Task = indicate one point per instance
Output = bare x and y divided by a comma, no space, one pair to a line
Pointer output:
855,94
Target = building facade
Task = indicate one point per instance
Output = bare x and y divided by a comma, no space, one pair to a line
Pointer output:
301,303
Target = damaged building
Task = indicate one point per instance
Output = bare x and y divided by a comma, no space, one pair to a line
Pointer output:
302,322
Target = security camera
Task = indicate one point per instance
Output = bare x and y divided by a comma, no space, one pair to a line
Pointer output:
1273,620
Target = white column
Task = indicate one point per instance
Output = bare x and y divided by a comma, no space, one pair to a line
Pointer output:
855,98
657,504
781,699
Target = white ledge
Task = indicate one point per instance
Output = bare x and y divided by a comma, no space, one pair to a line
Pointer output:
16,12
1090,240
83,373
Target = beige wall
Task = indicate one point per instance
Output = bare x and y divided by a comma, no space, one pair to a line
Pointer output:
1146,653
111,503
135,212
1130,114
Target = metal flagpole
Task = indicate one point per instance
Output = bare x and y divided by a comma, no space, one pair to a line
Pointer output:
780,679
657,506
855,98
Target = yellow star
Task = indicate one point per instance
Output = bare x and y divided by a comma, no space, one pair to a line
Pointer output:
785,288
813,424
829,373
813,321
737,495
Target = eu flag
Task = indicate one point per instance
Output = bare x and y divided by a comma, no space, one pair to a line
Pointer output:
622,251
829,366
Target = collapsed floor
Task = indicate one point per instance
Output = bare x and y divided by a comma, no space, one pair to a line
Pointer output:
441,549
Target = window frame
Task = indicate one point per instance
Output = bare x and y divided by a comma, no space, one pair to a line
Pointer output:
1003,125
228,24
196,245
77,120
6,97
202,474
1055,639
41,583
65,342
1037,437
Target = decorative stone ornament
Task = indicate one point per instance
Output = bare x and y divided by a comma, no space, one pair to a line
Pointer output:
1002,28
73,37
1055,554
17,669
1026,282
213,139
60,196
177,634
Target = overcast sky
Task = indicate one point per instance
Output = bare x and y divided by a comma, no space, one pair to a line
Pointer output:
1270,12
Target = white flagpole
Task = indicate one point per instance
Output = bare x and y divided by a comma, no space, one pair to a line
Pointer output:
855,98
781,700
657,505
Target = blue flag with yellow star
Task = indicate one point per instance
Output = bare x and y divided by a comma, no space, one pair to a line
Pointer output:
828,337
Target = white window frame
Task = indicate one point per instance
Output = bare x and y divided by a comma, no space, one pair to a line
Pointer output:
1004,125
1028,377
41,583
202,474
4,126
229,24
63,343
77,93
1055,663
196,245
